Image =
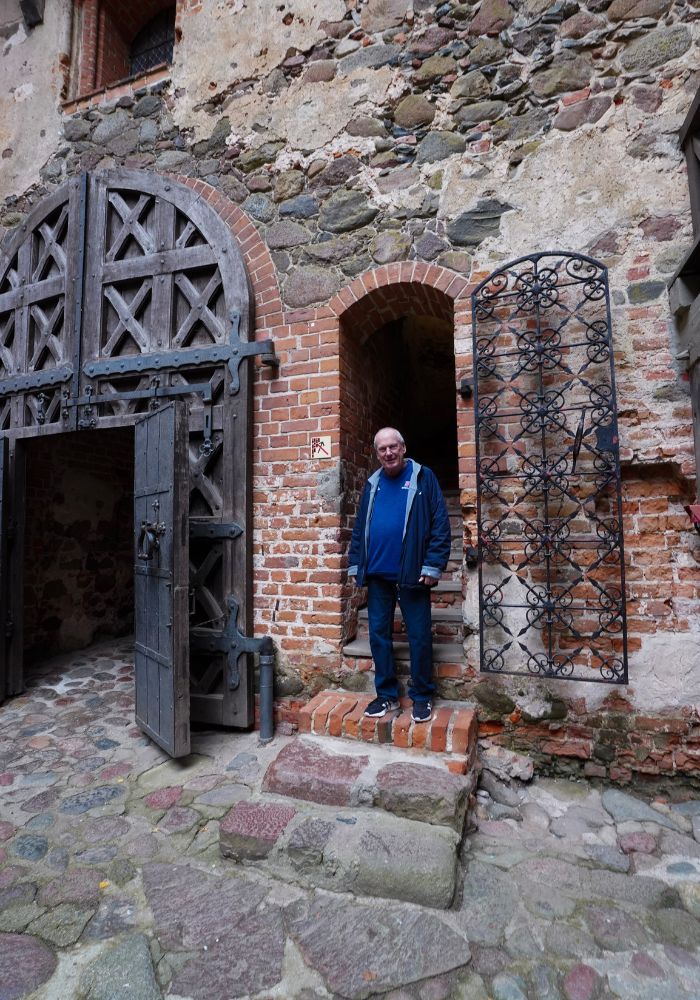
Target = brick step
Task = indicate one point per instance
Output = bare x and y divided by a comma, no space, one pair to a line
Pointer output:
443,652
447,591
366,819
452,729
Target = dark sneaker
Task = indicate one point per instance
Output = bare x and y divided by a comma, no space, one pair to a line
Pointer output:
422,711
380,706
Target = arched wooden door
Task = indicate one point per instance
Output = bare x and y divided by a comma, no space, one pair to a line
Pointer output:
121,293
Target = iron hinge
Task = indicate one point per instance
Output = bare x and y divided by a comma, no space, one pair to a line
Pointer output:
191,357
215,529
230,642
35,380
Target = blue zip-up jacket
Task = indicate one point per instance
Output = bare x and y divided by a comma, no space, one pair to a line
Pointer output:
425,547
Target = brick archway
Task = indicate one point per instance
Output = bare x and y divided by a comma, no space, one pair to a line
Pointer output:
373,313
386,294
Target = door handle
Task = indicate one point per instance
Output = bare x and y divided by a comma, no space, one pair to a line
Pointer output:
149,539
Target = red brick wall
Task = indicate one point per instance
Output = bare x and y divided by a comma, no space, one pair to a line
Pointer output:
300,588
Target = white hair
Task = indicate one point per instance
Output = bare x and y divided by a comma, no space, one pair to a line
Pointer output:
381,431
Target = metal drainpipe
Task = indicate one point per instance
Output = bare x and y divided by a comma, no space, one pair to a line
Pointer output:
267,680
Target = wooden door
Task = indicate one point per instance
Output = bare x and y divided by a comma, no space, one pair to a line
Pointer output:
121,290
161,621
4,575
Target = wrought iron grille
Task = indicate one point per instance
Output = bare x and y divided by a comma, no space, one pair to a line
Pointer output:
551,567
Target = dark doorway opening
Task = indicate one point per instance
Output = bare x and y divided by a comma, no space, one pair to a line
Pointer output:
400,372
403,376
78,541
418,375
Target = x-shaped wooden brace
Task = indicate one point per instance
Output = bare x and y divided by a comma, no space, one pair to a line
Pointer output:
199,463
52,247
10,279
199,309
198,577
127,318
184,237
47,340
131,226
7,329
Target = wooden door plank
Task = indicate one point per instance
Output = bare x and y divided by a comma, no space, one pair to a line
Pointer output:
15,568
4,575
162,665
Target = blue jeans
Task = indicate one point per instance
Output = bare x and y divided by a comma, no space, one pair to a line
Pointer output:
415,609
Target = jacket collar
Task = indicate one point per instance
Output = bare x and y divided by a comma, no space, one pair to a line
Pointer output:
374,478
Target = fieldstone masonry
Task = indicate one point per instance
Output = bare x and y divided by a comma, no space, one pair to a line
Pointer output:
376,160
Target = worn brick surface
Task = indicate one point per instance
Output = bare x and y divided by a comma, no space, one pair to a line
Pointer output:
451,729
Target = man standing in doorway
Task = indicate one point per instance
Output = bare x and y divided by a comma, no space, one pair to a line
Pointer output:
399,549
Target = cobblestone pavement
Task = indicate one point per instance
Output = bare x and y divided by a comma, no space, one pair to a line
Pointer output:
112,886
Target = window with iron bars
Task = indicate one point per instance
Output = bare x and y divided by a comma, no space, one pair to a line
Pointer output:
154,43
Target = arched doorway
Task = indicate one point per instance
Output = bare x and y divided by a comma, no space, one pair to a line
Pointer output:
397,364
124,301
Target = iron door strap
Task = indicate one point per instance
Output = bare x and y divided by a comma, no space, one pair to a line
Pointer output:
35,380
231,642
214,529
231,354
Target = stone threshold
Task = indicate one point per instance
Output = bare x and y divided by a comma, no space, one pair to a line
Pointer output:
452,729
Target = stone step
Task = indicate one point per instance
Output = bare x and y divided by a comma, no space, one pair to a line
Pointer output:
332,772
372,820
344,850
443,652
449,614
447,625
451,731
451,632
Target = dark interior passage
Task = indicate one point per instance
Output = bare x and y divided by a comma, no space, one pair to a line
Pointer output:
417,373
78,548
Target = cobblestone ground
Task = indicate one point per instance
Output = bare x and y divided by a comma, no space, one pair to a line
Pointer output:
112,887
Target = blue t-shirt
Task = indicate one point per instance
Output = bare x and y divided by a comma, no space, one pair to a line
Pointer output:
386,526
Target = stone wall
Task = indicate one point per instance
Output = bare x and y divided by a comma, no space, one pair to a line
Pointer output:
384,157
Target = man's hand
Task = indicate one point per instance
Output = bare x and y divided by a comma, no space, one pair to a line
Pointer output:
428,581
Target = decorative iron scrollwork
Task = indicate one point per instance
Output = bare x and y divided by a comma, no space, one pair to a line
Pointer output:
551,565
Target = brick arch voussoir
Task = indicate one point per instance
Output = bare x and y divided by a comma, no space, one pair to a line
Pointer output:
385,293
260,268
